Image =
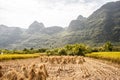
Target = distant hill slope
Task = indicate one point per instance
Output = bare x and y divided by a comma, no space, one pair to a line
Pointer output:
103,25
9,35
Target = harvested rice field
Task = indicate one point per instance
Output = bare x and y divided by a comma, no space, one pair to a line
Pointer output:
58,68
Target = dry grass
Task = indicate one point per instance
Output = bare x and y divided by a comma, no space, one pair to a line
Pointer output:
58,68
62,59
38,71
34,73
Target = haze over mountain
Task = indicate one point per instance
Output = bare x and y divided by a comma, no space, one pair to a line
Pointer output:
35,27
22,13
103,25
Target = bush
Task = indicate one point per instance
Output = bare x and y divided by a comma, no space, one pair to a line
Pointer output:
50,52
108,46
97,49
80,49
42,50
75,49
62,51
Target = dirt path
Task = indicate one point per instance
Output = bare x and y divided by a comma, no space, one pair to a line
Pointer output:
91,69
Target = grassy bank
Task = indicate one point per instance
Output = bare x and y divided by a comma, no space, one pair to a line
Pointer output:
17,56
110,56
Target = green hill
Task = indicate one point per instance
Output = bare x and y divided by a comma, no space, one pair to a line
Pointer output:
103,25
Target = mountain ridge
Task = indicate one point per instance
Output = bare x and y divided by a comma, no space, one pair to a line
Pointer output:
101,26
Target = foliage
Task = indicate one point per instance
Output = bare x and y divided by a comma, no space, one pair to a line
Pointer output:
62,51
97,49
24,51
108,46
73,49
116,48
101,26
70,49
42,50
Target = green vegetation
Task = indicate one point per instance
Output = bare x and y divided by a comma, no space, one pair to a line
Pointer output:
101,26
70,49
110,56
17,56
105,47
24,51
73,49
80,49
108,46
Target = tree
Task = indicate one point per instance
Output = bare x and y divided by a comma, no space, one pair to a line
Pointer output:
108,46
31,48
25,50
79,49
62,51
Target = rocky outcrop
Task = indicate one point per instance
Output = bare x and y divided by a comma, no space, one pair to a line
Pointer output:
35,27
78,24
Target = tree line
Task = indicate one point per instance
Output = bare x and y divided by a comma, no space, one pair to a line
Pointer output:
70,49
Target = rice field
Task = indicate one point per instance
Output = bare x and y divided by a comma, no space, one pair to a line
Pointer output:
41,68
57,68
110,56
17,56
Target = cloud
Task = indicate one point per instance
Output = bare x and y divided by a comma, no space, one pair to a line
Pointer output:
52,12
61,1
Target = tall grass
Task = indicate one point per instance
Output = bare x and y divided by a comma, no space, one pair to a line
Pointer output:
17,56
110,56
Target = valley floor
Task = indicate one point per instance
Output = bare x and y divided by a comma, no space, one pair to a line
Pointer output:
91,69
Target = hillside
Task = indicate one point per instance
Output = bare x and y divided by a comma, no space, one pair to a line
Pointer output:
103,25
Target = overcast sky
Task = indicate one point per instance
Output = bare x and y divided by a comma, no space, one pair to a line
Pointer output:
21,13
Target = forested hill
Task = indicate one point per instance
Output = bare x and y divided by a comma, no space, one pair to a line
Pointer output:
103,25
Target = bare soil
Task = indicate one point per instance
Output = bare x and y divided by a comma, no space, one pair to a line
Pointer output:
91,69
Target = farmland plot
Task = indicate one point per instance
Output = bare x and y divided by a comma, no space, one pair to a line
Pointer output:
58,68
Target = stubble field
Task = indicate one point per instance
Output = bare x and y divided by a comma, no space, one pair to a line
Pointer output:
58,68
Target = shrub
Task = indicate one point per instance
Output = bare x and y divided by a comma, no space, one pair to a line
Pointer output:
42,50
62,51
75,49
108,46
50,52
